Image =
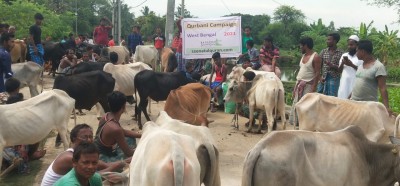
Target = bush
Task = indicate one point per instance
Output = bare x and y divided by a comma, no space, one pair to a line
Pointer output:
394,99
394,74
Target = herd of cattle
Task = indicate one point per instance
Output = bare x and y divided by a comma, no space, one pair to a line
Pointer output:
340,142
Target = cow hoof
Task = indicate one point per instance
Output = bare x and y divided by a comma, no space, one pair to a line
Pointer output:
248,131
259,132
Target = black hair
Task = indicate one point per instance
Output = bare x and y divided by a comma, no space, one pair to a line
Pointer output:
271,40
113,57
189,64
247,27
85,53
250,43
39,16
15,98
116,100
6,37
70,34
246,59
216,55
249,75
68,50
89,48
110,36
366,45
12,84
84,148
74,132
335,36
307,41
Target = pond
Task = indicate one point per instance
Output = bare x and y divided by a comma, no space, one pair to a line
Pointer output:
288,73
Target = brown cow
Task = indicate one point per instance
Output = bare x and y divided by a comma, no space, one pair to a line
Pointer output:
18,52
189,103
168,60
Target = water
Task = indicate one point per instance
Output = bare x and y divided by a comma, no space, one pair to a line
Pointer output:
288,73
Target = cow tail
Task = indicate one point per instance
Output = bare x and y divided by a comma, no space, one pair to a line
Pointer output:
276,92
74,116
248,167
213,172
178,163
397,126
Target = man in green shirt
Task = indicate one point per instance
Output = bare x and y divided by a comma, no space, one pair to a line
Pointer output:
370,77
85,160
245,37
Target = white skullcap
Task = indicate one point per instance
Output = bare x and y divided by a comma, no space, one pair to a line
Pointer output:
354,37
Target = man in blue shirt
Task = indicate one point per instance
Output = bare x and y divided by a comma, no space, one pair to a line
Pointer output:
7,42
134,39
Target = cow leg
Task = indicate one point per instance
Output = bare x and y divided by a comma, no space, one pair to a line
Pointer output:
260,119
251,117
270,121
283,116
149,105
64,137
142,107
99,110
33,90
2,145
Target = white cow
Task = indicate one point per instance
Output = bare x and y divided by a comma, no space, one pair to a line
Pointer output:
124,75
317,112
207,153
396,133
30,121
164,157
28,74
267,93
237,73
303,158
123,53
146,54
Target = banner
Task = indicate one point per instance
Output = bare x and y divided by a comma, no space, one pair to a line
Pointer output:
202,37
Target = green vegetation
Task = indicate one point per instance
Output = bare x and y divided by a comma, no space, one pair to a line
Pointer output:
394,99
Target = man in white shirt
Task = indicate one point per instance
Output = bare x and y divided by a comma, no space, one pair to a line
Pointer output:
348,64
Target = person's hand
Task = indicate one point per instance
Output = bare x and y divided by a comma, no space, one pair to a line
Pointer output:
347,62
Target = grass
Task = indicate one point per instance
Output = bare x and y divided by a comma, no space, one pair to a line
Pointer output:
16,179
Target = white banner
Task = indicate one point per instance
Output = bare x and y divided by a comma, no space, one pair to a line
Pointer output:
202,37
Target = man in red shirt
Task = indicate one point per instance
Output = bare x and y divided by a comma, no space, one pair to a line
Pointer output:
111,41
100,34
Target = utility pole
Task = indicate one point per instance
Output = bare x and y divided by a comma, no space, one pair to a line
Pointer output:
183,9
116,20
76,17
169,25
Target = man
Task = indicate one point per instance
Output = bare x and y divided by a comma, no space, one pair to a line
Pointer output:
36,50
370,76
329,84
177,46
348,66
12,30
81,133
308,76
159,42
2,29
134,39
71,41
114,142
67,62
92,55
114,58
253,54
100,34
245,37
7,43
220,72
111,42
269,55
85,58
85,161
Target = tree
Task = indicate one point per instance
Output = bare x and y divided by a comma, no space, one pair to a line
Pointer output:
386,44
145,11
387,3
256,22
54,25
286,15
186,13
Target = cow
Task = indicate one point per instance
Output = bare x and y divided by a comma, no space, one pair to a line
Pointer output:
189,103
164,157
267,93
87,88
335,113
157,86
169,61
28,74
396,133
147,54
54,51
18,52
29,121
207,152
237,92
237,73
86,67
123,53
302,158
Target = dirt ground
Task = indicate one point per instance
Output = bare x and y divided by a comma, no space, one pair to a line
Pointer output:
232,144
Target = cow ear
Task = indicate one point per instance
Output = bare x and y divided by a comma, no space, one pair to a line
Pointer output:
394,140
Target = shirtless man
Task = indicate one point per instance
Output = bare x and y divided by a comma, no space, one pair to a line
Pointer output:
67,62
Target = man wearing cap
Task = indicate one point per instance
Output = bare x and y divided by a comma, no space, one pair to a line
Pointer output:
348,65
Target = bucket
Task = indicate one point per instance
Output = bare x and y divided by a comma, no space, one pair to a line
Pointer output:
229,106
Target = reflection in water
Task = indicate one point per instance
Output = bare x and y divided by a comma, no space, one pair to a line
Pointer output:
288,73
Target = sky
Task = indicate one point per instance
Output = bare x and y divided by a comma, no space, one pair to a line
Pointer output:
344,13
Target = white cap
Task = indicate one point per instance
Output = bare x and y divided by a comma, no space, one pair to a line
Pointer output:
354,37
